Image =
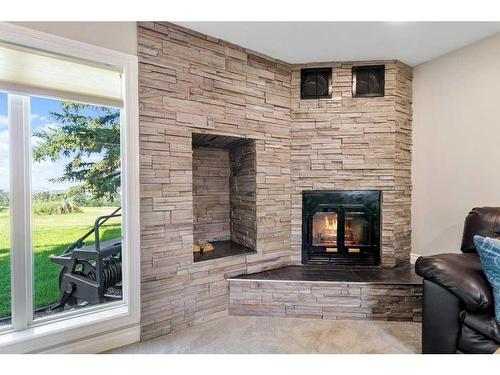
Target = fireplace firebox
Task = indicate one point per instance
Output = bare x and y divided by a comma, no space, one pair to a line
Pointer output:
341,227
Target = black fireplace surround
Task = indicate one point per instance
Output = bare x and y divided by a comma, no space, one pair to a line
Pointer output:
341,227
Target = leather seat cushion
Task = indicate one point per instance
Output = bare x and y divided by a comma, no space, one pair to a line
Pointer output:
472,342
483,322
461,274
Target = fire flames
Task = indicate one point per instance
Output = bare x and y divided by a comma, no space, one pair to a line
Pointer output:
325,230
331,225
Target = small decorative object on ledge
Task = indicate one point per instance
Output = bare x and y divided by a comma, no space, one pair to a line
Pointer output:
368,81
315,83
202,246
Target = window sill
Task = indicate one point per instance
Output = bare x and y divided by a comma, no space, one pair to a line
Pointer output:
51,335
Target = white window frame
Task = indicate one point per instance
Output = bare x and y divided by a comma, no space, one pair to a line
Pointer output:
55,333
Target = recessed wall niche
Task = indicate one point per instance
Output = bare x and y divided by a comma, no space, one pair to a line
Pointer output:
224,180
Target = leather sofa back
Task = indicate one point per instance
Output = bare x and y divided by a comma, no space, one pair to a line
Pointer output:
483,221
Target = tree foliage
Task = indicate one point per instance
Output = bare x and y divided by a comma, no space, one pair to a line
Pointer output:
89,137
4,198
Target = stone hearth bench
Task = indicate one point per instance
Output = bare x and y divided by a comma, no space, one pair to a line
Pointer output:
366,293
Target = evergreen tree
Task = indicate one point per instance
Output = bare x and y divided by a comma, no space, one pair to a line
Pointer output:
90,137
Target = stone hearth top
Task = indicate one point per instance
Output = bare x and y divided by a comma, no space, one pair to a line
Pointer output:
223,249
404,274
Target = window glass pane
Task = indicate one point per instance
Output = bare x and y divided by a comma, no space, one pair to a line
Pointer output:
75,180
5,295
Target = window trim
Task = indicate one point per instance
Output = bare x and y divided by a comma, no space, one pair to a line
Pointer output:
20,197
26,335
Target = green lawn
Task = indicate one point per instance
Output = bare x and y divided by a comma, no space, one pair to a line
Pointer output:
51,235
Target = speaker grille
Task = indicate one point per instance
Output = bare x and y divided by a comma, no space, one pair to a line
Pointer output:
315,83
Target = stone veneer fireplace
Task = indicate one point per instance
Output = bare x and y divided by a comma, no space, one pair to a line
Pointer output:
190,83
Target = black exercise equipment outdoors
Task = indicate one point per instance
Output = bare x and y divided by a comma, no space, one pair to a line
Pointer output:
90,271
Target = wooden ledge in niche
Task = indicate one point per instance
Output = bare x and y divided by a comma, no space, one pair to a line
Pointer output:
223,249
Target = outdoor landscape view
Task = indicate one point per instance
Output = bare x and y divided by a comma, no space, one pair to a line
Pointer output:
75,179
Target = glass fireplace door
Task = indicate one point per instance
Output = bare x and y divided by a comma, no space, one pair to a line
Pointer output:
341,227
356,231
325,230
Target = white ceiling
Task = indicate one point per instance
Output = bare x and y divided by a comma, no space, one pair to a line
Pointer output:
302,42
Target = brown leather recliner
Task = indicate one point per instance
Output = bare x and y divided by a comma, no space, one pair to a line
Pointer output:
458,313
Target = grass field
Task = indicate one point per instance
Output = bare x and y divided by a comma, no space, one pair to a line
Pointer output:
51,235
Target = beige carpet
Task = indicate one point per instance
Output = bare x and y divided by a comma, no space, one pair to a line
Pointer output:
235,334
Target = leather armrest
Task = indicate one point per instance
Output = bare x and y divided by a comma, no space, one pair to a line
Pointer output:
461,274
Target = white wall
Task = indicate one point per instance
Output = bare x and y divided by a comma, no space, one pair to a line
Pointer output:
119,36
456,143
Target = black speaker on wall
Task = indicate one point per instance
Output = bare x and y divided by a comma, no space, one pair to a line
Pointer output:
315,83
368,81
